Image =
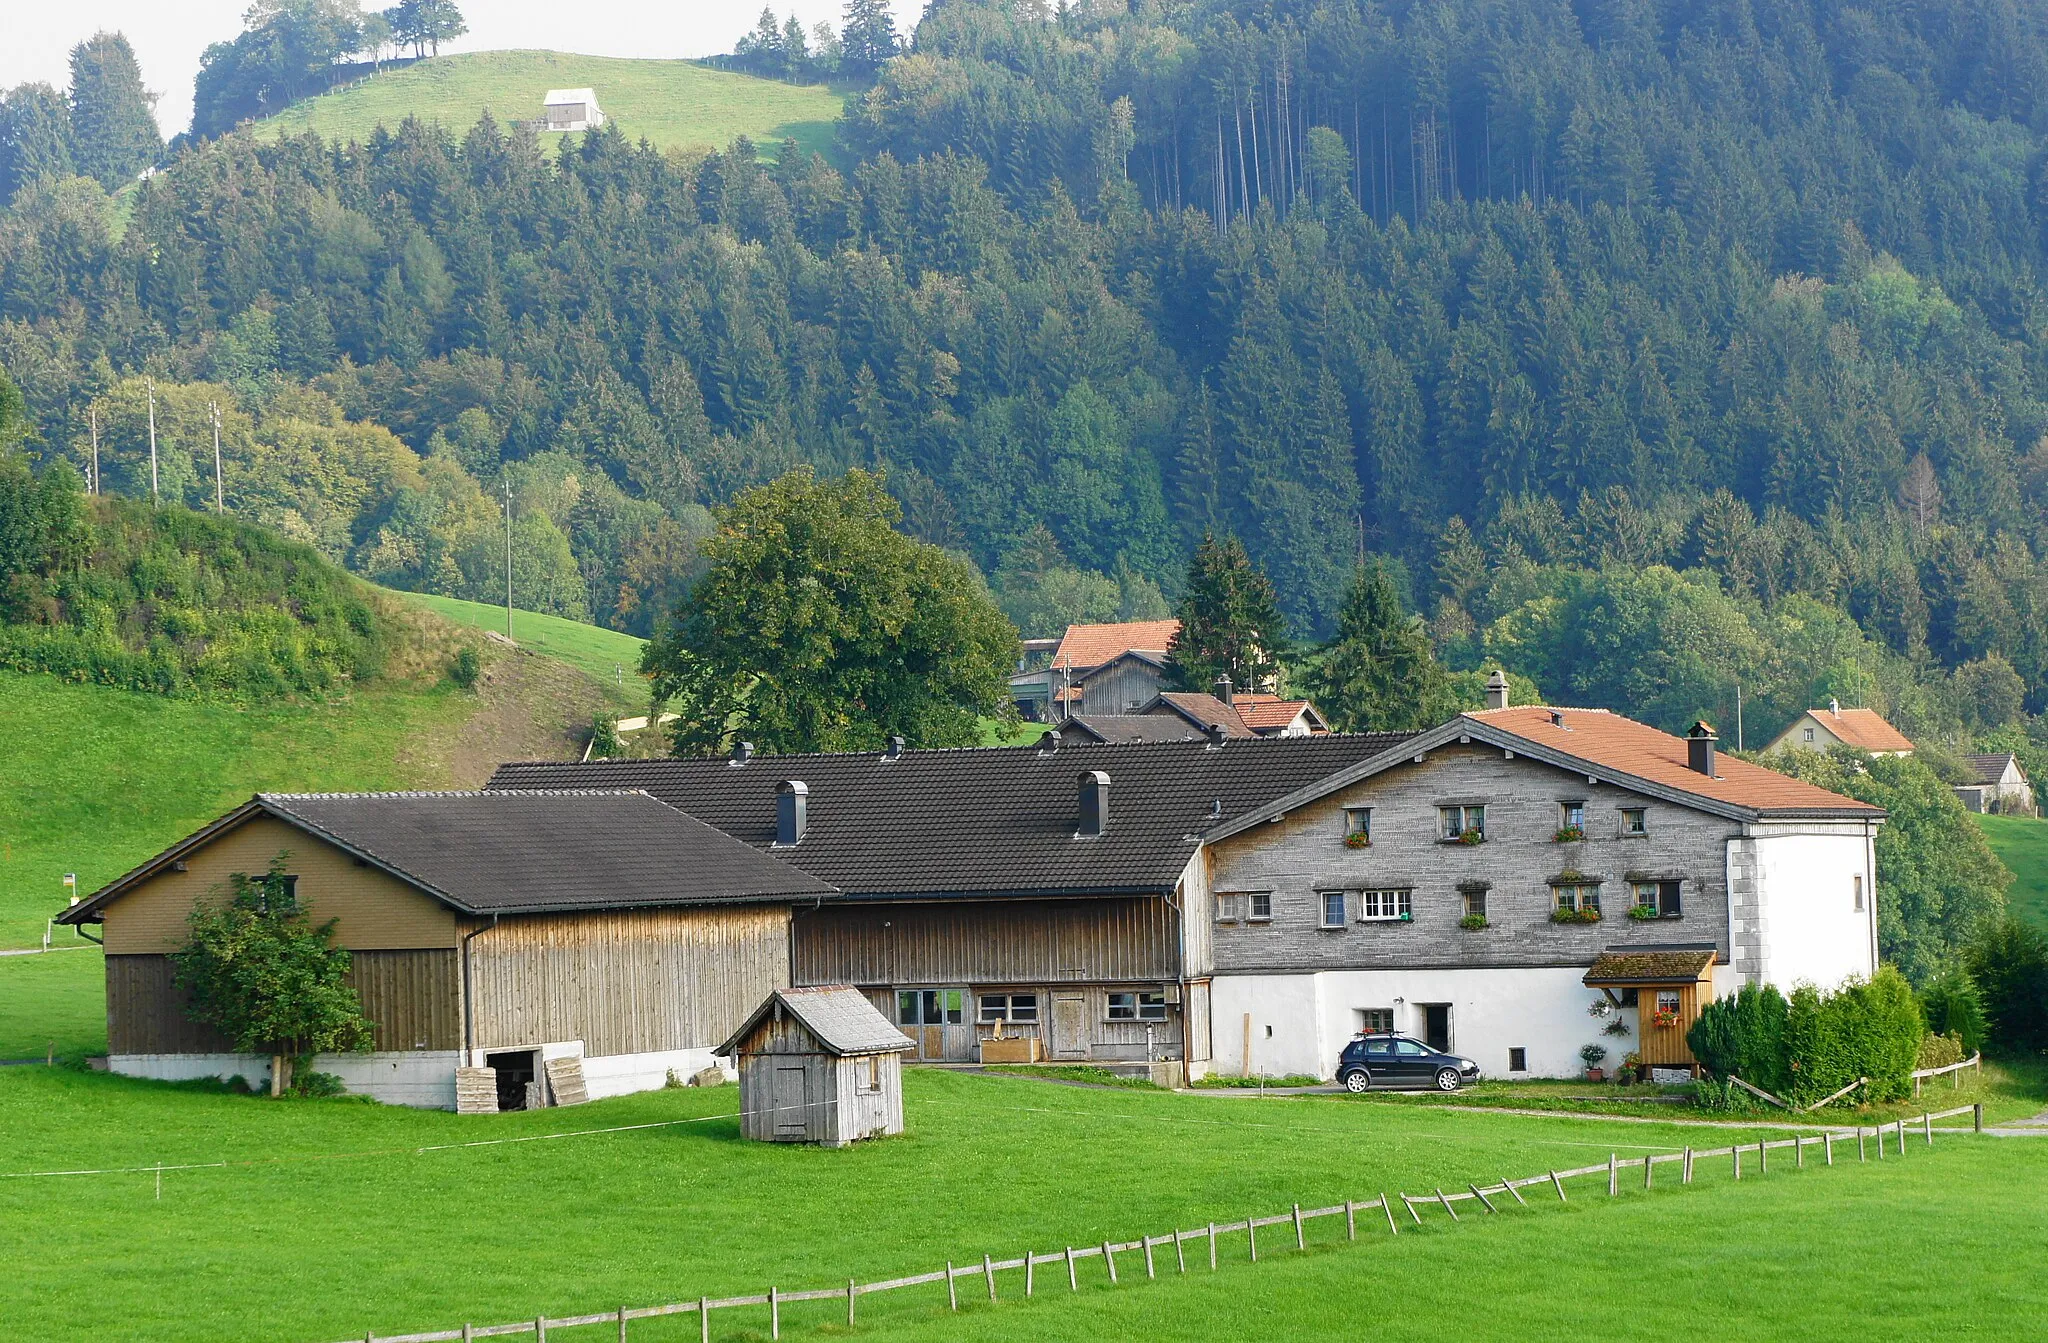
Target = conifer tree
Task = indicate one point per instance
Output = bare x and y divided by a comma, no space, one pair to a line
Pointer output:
868,36
1378,674
114,134
35,138
1230,621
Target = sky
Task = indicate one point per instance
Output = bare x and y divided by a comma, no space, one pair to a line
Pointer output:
169,35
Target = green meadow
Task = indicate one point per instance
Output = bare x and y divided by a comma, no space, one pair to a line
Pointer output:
672,104
608,657
2021,843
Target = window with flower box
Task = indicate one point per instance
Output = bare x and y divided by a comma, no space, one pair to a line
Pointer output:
1577,899
1358,827
1463,824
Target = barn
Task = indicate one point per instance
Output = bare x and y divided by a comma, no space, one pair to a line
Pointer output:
818,1065
508,931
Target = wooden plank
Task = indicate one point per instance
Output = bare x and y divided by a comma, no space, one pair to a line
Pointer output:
1509,1185
1484,1201
565,1080
476,1091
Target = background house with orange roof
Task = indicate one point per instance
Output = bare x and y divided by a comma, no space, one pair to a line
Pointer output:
1113,668
1862,729
1489,885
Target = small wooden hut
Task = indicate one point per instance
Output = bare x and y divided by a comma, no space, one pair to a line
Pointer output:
818,1065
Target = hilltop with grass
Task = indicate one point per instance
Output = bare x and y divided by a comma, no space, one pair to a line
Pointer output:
671,104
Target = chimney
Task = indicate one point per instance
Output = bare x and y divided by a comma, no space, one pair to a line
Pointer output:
1835,707
1224,691
1214,732
1497,690
742,752
894,750
1094,804
1049,744
792,812
1699,749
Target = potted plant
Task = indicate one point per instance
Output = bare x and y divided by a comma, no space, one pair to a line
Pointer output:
1357,839
1664,1019
1472,922
1631,1068
1592,1054
1568,834
1641,913
1471,834
1588,915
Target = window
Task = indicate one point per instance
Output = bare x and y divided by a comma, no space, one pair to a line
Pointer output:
1358,826
1408,1049
930,1007
1261,910
1379,1050
1859,892
1518,1060
1581,899
1643,894
1457,822
869,1078
1137,1007
1667,1001
1016,1007
1372,1019
1634,822
1571,816
1475,904
1382,905
1670,904
1333,909
1808,734
1229,908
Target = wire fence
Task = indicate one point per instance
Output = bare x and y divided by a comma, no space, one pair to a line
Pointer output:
1209,1239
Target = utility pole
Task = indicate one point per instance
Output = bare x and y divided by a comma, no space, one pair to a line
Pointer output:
155,499
92,416
1738,715
508,557
219,501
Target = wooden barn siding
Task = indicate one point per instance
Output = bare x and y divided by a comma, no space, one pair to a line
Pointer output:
373,910
1019,942
412,997
627,982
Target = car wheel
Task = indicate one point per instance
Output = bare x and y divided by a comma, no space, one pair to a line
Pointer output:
1357,1080
1446,1079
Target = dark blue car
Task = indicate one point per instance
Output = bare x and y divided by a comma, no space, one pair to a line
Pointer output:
1394,1061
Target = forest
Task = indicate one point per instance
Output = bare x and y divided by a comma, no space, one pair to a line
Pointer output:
1658,347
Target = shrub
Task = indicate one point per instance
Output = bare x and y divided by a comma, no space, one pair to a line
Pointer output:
1743,1036
1569,834
320,1085
1473,922
1939,1051
1591,1054
2009,965
604,736
1954,1007
1642,913
465,667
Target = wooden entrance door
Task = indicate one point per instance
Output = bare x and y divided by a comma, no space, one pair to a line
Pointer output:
936,1022
1070,1025
791,1099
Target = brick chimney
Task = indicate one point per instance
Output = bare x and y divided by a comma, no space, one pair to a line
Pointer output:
1497,690
1225,691
1699,749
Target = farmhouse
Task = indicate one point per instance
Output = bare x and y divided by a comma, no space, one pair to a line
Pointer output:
1096,669
1487,882
1859,729
1998,783
502,929
1036,893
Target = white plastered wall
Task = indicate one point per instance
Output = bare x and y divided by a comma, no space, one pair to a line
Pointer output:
1806,888
1301,1022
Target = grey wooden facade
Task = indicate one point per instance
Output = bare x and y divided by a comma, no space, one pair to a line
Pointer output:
1514,872
818,1066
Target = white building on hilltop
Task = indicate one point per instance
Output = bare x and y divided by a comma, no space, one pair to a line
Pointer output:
571,110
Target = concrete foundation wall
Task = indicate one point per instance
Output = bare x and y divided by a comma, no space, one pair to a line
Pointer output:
1300,1023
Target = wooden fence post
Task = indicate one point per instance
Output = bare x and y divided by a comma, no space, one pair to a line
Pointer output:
1073,1283
540,1329
774,1316
1862,1152
1763,1158
468,1333
1350,1221
1902,1137
1149,1274
1484,1201
1251,1234
1212,1247
1613,1175
1799,1153
1446,1202
1300,1240
1927,1127
1977,1117
1685,1167
1828,1146
1558,1185
952,1293
1409,1204
1880,1142
1030,1272
850,1294
1180,1253
704,1318
1109,1257
1393,1227
1509,1185
1649,1164
1736,1150
988,1270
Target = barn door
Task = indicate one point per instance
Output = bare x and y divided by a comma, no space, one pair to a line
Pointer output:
1070,1025
791,1099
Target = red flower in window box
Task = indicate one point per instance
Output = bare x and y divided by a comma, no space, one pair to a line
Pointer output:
1664,1019
1358,839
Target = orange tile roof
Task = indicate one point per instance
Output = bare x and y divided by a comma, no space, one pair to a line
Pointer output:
1864,729
1263,711
1092,645
1609,741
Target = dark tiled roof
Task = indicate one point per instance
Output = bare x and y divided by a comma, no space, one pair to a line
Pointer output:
1670,966
990,822
841,1017
1989,768
1128,727
521,852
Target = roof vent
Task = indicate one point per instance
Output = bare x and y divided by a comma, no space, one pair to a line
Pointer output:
1094,804
1214,732
742,752
1224,691
1557,719
792,812
1699,748
894,750
1049,744
1497,690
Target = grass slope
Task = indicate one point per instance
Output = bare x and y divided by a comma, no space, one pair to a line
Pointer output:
334,1217
2021,843
673,104
597,652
